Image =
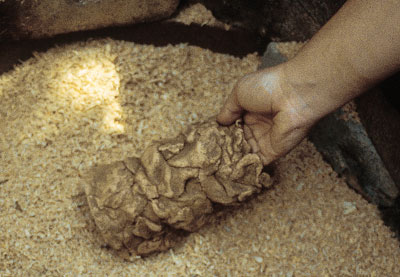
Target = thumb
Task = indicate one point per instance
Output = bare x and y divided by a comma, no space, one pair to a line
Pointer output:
251,93
231,111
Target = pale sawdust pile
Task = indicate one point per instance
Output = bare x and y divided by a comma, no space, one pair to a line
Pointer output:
197,13
290,49
101,101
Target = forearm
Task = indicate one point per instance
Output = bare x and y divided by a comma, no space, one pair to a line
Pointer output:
358,47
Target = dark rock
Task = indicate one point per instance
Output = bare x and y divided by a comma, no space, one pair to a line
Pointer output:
379,111
272,56
381,117
345,144
285,20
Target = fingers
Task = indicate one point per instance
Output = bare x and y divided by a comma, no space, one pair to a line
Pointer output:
258,130
248,134
257,96
239,101
231,111
253,93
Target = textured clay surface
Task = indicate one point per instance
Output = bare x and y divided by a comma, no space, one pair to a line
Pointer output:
139,203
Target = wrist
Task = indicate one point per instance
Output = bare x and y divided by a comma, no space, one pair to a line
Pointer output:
316,87
300,96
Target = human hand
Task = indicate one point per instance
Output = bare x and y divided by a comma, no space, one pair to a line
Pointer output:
276,118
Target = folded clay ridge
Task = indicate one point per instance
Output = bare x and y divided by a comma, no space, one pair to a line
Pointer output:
139,203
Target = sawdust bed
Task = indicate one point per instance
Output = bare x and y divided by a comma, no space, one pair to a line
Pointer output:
100,101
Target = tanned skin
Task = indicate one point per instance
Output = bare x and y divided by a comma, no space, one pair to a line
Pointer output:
358,47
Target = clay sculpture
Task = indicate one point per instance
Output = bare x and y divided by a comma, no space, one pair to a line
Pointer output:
139,204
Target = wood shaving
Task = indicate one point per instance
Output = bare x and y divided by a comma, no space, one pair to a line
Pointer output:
100,101
350,112
289,49
197,13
